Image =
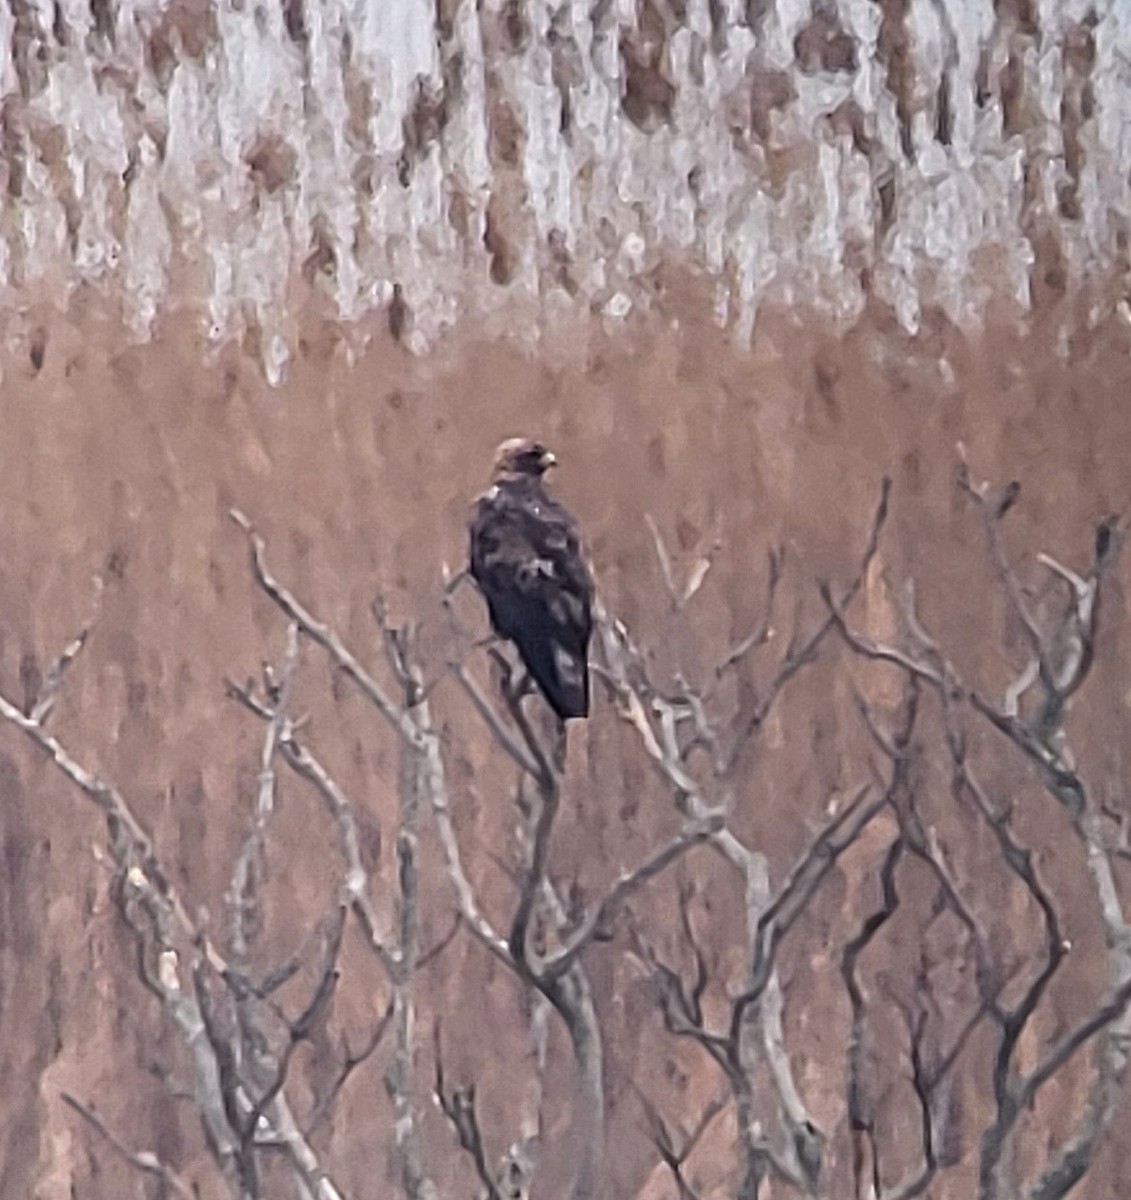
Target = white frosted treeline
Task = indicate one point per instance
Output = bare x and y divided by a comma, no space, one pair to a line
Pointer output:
514,159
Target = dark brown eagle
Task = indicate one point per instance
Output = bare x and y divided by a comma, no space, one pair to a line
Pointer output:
526,558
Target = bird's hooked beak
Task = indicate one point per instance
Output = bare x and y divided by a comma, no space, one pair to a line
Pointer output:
547,460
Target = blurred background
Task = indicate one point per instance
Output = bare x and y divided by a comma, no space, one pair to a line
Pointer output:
734,261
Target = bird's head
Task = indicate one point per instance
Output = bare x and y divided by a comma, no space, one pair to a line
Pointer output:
521,456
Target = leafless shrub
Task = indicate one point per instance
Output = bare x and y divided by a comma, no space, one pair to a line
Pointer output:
241,1038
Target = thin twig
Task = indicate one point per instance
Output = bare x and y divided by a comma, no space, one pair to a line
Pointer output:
802,652
41,708
459,1107
243,891
692,834
308,767
143,1160
300,1029
324,635
350,1064
764,632
485,709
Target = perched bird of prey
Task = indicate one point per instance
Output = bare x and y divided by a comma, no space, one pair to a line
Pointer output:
526,558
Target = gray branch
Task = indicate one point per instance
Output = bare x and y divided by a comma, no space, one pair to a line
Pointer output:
143,1160
1064,651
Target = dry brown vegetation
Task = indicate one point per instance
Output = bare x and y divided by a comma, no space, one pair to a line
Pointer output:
827,900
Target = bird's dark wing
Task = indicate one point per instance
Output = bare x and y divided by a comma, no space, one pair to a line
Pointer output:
526,557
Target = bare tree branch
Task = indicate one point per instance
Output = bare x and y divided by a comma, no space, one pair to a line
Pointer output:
801,652
164,935
629,688
400,1078
485,709
242,1042
244,891
860,1114
664,559
674,1157
991,513
324,636
350,1063
285,1136
692,834
1111,1010
459,1107
143,1160
42,705
1020,862
1063,646
299,1029
305,765
119,815
786,907
764,632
